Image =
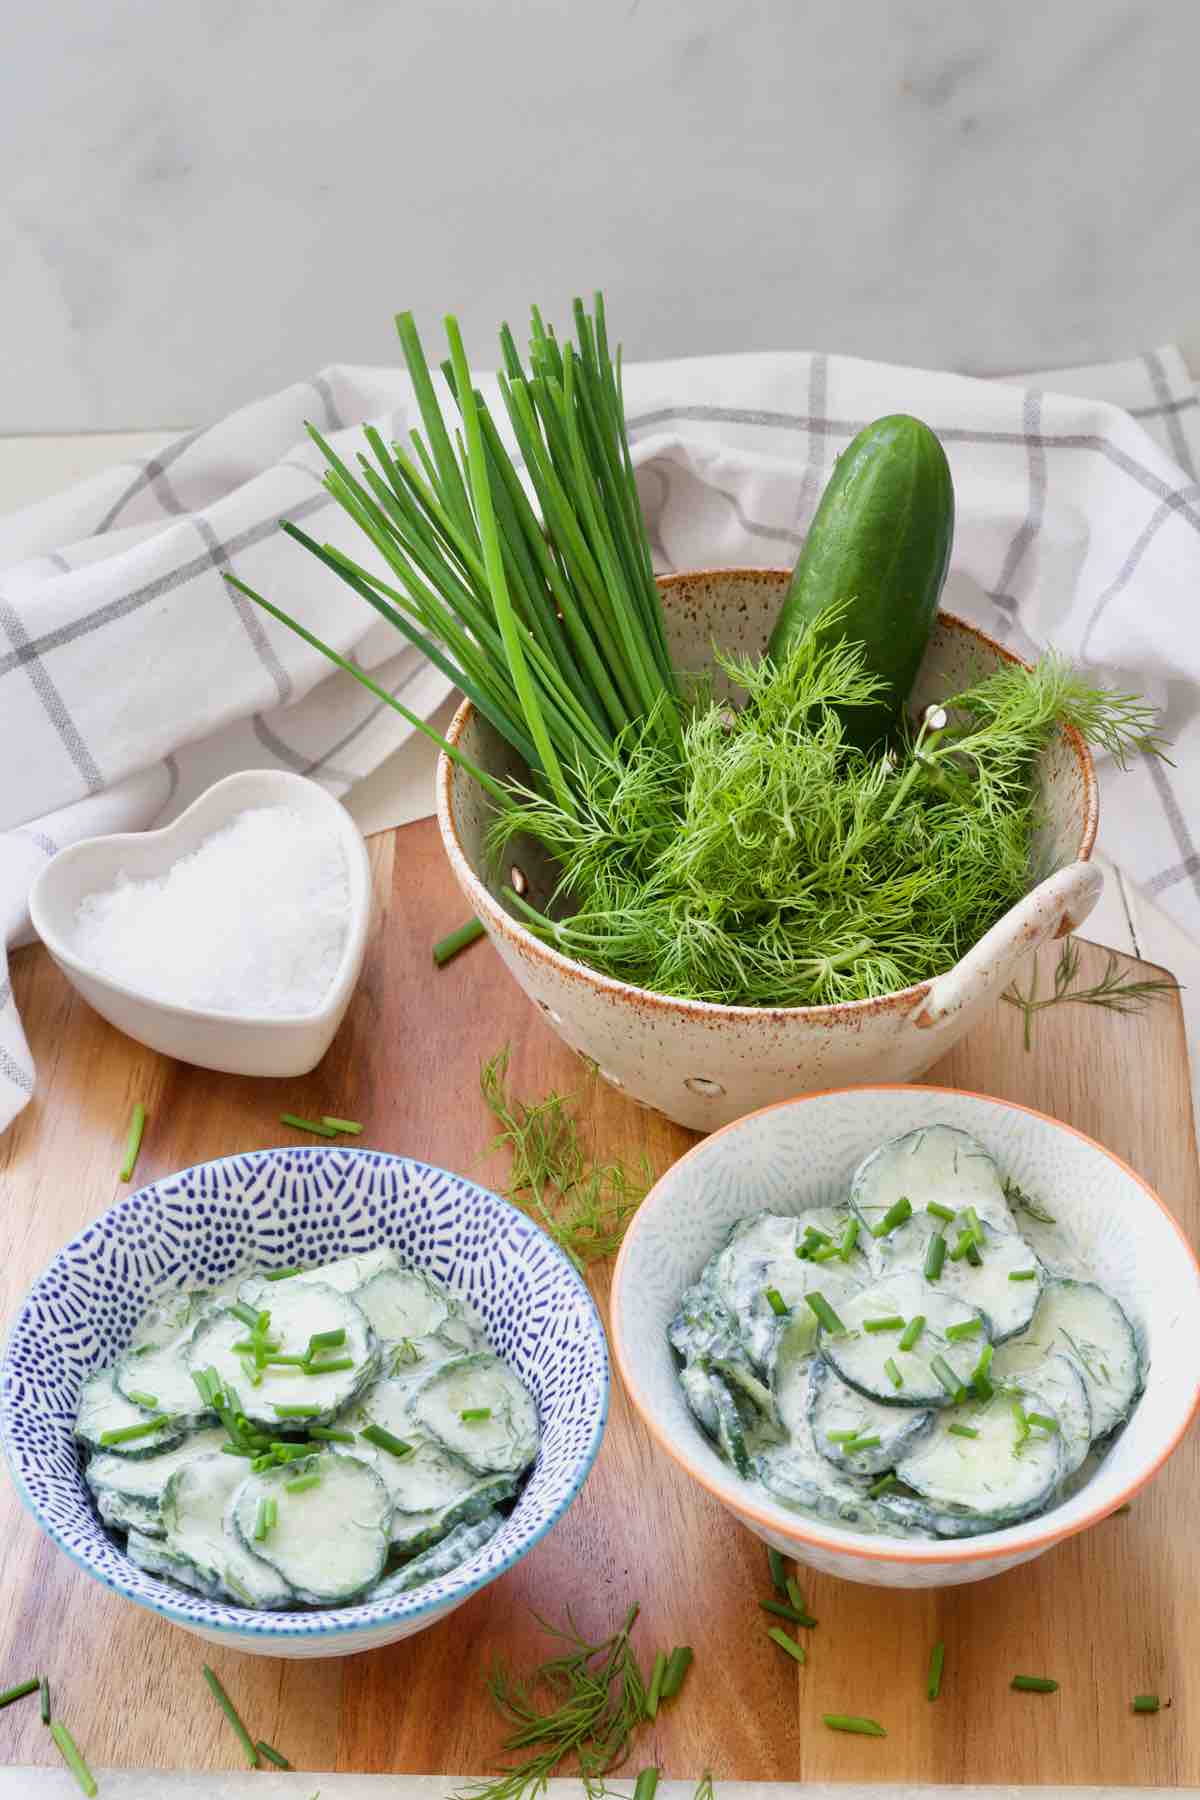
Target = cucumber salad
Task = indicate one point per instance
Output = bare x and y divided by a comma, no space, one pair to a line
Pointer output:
910,1361
312,1437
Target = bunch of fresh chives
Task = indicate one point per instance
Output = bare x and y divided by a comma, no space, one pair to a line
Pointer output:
546,616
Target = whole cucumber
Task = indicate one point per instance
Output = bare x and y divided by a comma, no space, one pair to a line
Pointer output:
880,541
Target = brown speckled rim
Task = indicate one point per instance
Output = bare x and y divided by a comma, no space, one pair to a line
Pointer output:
848,1012
947,1550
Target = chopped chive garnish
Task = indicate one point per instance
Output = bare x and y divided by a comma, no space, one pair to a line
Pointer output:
1044,1420
825,1253
869,1442
471,1414
252,1373
447,948
890,1322
19,1692
824,1312
935,1256
326,1340
133,1141
896,1214
246,1314
796,1597
973,1256
290,1452
941,1212
283,1274
262,1519
1022,1275
1146,1703
849,1240
44,1693
253,1345
384,1440
678,1664
227,1707
912,1331
848,1722
313,1125
973,1225
330,1435
814,1235
262,1462
949,1380
272,1754
69,1751
645,1786
330,1367
842,1437
779,1636
960,1247
967,1431
203,1385
882,1486
288,1361
967,1328
149,1401
937,1658
893,1373
296,1411
979,1374
778,1570
125,1434
1022,1423
263,1322
300,1484
351,1126
1033,1684
776,1302
237,1450
796,1614
654,1691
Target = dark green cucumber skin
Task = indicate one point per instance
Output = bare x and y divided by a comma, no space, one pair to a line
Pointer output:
881,541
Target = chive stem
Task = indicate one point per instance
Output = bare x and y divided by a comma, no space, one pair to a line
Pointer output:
313,1125
912,1331
133,1141
646,1784
1042,1419
796,1597
935,1256
939,1211
966,1328
1033,1684
776,1302
283,1274
826,1317
272,1754
891,1322
882,1486
330,1435
326,1340
328,1366
654,1691
125,1434
149,1401
384,1440
937,1658
849,1722
471,1414
678,1664
350,1126
948,1379
262,1520
447,948
778,1569
1022,1275
19,1692
69,1751
296,1411
796,1651
967,1431
849,1240
300,1484
44,1692
892,1371
979,1374
1146,1703
797,1616
897,1213
227,1707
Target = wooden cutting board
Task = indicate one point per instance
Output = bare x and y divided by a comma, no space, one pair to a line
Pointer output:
1109,1614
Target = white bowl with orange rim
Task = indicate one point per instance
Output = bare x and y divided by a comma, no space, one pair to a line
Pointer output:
802,1153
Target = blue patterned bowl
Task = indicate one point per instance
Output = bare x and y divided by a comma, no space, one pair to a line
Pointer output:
268,1209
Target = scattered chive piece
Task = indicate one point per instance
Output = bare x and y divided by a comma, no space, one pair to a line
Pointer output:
1118,1510
979,1374
937,1658
896,1214
891,1322
960,1248
935,1256
283,1274
912,1331
797,1617
779,1636
824,1312
203,1385
645,1785
314,1125
882,1486
250,1346
941,1212
300,1484
893,1373
470,1414
261,1462
272,1754
262,1520
973,1225
814,1235
125,1434
447,948
849,1240
795,1596
678,1664
70,1755
869,1442
847,1722
1018,1413
384,1440
973,1256
968,1431
133,1141
656,1680
227,1707
288,1362
949,1380
332,1436
296,1412
842,1437
776,1302
1033,1684
236,1450
330,1367
825,1254
967,1328
44,1690
149,1401
1044,1420
290,1452
1146,1703
1022,1275
251,1372
19,1692
326,1340
246,1314
349,1125
778,1570
262,1322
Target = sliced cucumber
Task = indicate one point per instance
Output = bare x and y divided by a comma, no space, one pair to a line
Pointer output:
299,1310
196,1508
125,1512
414,1531
430,1476
795,1472
697,1383
102,1409
835,1409
760,1258
346,1275
1008,1306
859,1356
135,1485
454,1550
162,1370
731,1431
937,1163
330,1541
1081,1321
703,1326
169,1321
505,1439
1029,1370
156,1557
403,1303
999,1475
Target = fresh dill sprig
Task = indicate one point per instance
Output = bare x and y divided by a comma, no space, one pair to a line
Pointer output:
1115,991
583,1205
1020,1201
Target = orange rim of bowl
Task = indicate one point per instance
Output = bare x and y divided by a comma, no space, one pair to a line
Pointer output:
500,921
946,1550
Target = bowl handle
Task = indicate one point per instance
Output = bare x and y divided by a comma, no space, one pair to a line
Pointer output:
1056,906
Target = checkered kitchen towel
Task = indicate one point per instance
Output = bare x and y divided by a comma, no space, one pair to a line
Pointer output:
131,677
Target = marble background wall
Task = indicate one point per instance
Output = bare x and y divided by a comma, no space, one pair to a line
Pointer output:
202,201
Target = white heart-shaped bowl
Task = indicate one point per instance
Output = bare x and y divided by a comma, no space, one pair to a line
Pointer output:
269,1209
237,1044
802,1153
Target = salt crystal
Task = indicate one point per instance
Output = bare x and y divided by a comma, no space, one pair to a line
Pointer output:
252,922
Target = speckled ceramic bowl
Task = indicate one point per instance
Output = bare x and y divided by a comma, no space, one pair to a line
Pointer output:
267,1210
703,1065
801,1154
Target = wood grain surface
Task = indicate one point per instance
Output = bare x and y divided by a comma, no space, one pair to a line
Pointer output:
1109,1614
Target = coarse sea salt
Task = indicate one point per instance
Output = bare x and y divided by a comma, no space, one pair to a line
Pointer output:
252,922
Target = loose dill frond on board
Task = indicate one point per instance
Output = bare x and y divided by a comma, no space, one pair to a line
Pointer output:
1114,991
583,1205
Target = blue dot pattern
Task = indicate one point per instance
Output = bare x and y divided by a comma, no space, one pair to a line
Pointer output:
270,1209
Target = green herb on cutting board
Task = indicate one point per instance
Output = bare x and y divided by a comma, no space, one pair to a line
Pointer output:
1114,991
584,1206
